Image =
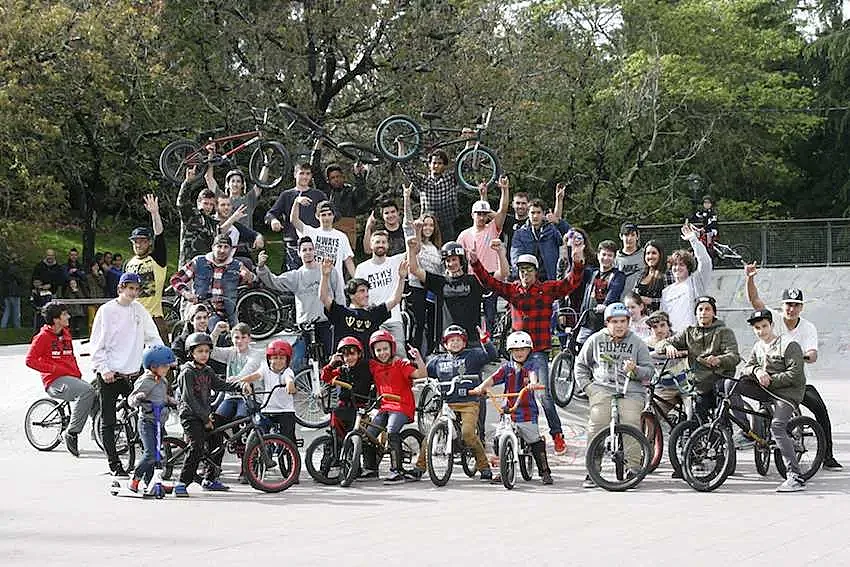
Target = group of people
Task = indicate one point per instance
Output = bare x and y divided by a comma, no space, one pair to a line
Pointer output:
630,295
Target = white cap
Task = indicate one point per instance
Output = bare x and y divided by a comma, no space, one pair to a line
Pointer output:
481,207
528,259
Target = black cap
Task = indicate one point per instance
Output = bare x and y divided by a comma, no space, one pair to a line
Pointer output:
758,315
792,295
628,227
141,232
706,299
223,239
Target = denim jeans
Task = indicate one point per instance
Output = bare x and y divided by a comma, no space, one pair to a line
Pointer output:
232,408
540,362
11,313
147,432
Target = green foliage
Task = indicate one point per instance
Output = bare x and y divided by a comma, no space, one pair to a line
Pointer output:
731,210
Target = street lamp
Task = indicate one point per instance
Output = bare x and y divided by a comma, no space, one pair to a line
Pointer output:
694,183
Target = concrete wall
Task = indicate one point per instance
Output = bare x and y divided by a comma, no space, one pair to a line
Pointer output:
827,305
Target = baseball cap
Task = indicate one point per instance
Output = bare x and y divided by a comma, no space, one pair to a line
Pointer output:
223,239
481,207
792,295
657,316
129,277
141,232
528,259
760,314
628,227
193,310
705,299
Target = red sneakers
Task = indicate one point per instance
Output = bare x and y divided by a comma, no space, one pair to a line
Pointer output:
560,444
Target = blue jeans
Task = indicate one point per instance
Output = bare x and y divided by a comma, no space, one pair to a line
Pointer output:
490,314
540,362
232,408
11,312
147,432
392,420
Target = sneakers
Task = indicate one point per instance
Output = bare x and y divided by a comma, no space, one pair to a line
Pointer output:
414,474
71,443
486,475
393,477
831,464
180,491
119,472
588,482
546,478
743,441
134,485
215,486
560,444
367,474
792,484
678,474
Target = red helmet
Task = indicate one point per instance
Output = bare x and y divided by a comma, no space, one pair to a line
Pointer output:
379,336
349,342
279,347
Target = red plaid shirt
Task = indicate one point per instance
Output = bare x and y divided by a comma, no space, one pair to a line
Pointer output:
531,308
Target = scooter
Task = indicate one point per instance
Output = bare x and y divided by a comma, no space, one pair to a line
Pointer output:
155,488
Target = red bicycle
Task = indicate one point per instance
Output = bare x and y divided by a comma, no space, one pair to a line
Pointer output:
268,155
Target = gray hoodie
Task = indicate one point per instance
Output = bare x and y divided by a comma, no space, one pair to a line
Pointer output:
601,361
148,392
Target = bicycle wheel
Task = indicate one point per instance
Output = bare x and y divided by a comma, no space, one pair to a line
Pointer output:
745,255
179,156
44,423
707,461
607,458
761,427
399,128
561,381
526,465
260,310
653,433
125,445
429,407
275,158
477,165
173,455
358,153
321,460
467,461
679,436
809,445
507,461
310,411
349,459
271,464
411,445
440,458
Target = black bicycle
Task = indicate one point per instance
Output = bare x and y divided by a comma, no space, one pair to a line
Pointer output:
270,462
562,383
265,310
657,411
307,131
709,455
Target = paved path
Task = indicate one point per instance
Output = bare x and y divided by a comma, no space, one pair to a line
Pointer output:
56,511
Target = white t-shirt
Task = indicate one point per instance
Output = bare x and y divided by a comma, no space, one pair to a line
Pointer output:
383,279
331,243
119,336
281,401
677,300
805,333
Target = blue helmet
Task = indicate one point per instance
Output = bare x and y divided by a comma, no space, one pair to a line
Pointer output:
129,277
617,310
158,355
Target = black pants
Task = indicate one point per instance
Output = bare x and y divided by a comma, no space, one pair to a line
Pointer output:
196,436
109,394
814,403
285,422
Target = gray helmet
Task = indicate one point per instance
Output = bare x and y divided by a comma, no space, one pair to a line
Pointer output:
197,339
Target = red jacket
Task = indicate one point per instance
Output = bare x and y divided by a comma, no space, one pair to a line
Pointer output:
53,355
395,378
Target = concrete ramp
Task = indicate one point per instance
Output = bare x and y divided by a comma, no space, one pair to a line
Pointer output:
827,305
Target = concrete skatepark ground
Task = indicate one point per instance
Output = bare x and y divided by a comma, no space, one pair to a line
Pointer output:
56,509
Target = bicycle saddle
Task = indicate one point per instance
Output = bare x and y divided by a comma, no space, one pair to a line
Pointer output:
431,116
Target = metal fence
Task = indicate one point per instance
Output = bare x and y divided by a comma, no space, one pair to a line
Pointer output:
806,242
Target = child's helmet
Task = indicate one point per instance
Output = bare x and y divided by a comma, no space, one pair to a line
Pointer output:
452,248
158,355
279,347
379,336
349,342
617,310
519,339
455,331
197,339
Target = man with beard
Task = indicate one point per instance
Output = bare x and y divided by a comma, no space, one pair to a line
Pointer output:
149,262
213,277
381,271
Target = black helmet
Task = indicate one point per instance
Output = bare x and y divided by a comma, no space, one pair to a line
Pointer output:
141,232
452,248
197,339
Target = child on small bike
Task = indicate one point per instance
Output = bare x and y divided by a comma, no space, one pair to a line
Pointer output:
394,376
601,366
195,381
675,382
280,409
350,366
465,364
516,375
149,390
239,360
706,218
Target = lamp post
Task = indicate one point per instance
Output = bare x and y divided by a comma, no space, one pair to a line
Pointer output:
694,183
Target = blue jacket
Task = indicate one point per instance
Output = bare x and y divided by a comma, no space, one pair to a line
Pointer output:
467,364
616,283
546,247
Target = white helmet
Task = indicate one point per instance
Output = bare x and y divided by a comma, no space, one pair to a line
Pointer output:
528,259
519,339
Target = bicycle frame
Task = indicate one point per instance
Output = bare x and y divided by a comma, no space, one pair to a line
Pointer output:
726,414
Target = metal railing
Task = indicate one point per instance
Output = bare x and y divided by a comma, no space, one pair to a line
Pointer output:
803,242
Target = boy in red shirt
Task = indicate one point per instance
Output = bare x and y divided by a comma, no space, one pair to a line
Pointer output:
52,353
394,376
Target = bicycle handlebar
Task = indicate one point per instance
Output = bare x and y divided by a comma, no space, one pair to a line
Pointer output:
517,395
345,385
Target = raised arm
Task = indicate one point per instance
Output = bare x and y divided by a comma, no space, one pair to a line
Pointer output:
237,215
488,281
399,288
560,193
750,271
504,266
504,199
415,268
325,295
152,206
367,233
295,213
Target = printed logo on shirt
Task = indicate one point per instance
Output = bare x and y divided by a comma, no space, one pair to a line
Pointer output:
326,246
383,278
